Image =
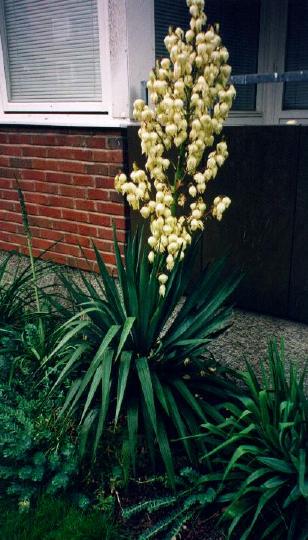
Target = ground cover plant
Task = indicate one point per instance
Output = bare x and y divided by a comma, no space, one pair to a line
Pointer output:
255,471
59,519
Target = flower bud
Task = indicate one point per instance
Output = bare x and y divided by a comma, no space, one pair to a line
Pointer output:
145,212
192,191
162,290
151,256
163,278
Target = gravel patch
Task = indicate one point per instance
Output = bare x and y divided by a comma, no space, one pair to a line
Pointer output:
249,335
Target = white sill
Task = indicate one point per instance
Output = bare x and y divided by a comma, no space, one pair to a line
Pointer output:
65,120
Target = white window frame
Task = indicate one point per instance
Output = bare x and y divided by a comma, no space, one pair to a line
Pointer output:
126,58
102,106
272,52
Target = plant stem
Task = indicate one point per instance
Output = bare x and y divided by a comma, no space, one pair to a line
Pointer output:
28,234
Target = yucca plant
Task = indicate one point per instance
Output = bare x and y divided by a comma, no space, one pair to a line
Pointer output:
256,470
139,361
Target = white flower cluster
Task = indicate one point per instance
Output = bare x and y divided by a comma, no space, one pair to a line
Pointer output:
191,98
220,204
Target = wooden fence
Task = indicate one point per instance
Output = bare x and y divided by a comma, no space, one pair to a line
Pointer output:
265,230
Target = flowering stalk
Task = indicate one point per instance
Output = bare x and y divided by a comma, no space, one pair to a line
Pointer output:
191,98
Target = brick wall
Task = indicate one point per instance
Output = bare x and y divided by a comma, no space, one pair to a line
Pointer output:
67,179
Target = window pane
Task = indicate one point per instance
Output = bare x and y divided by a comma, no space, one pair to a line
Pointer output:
52,50
296,93
239,27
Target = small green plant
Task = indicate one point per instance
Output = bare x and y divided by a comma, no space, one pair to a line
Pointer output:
58,519
16,294
34,455
140,359
256,469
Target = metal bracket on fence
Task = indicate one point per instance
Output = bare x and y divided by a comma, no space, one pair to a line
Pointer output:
251,78
261,78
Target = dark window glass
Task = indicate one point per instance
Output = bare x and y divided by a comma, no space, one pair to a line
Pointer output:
296,93
239,28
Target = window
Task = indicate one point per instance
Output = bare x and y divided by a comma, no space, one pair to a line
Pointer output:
52,55
262,36
239,26
296,93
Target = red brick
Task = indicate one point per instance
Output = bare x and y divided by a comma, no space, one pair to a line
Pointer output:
67,249
108,156
72,191
8,226
75,215
97,141
65,226
104,182
98,194
7,205
100,219
85,204
37,198
44,140
40,221
110,208
87,230
26,185
72,166
80,154
19,138
49,211
107,233
4,161
83,180
9,150
97,168
63,202
89,254
121,223
5,236
76,239
6,246
82,264
29,174
18,239
21,163
6,183
47,187
34,151
56,257
8,215
9,194
33,209
7,173
58,177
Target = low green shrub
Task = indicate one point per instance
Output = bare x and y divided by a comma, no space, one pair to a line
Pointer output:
256,465
58,519
140,358
34,454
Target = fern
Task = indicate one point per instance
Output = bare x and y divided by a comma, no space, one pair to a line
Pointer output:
179,524
163,524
